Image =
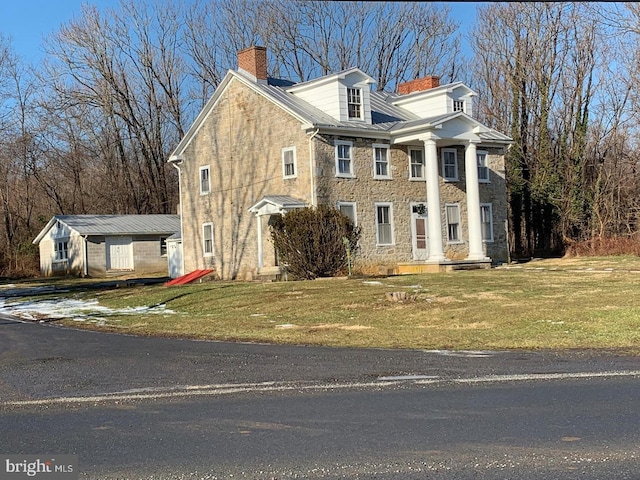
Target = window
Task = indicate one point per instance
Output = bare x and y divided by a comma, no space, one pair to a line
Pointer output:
348,209
381,167
453,223
458,105
207,239
483,169
205,180
416,164
384,224
61,249
289,162
354,102
486,222
344,162
163,246
450,164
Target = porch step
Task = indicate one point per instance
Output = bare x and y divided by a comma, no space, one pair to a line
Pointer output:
417,268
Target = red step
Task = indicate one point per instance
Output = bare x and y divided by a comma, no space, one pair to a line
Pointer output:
188,278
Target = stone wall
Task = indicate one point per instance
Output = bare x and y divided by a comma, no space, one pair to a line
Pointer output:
241,141
401,191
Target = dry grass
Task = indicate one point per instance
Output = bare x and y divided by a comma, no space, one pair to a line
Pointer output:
593,303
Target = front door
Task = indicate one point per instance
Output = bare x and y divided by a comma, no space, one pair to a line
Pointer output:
419,231
119,253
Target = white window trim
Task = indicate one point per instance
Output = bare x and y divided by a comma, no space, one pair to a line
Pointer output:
388,154
459,102
459,240
350,174
56,243
213,248
360,104
490,206
411,177
208,169
295,162
163,240
355,211
393,240
442,155
486,166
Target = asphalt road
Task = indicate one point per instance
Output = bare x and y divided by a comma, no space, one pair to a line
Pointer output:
163,408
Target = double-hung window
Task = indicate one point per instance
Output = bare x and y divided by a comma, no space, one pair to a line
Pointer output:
163,246
348,209
381,168
61,248
486,222
450,164
453,223
289,162
483,169
354,103
384,224
416,164
344,159
207,239
458,105
205,180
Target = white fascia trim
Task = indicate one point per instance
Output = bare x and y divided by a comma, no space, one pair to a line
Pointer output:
208,108
201,117
366,80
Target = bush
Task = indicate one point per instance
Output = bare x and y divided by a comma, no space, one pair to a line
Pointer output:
603,246
310,241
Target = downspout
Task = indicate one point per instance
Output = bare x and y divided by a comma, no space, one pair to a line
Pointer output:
176,161
85,254
312,167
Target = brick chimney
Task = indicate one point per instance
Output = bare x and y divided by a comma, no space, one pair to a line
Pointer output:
253,60
419,84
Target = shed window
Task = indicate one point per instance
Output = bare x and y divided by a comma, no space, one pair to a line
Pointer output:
61,248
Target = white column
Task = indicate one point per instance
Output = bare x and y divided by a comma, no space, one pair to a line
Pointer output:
260,249
473,203
436,252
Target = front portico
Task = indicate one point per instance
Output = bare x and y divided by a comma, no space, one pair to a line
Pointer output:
449,132
267,206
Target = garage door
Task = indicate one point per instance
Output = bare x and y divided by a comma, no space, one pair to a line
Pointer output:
119,253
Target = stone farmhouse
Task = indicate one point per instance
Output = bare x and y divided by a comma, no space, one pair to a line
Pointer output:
423,179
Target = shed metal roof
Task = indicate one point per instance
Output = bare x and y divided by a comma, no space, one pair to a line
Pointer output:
116,224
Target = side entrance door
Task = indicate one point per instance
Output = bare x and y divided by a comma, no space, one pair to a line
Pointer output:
119,253
419,231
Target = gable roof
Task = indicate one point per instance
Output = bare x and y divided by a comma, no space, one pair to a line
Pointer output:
386,113
277,204
115,224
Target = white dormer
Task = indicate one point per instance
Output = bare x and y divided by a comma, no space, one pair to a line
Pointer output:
427,98
346,95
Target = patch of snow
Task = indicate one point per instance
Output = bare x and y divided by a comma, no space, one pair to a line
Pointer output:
372,282
77,310
286,325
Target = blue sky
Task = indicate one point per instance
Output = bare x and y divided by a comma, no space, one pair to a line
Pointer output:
28,22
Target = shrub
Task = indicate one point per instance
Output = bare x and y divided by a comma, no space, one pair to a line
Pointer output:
310,241
602,246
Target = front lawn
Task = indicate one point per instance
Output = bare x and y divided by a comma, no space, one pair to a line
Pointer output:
586,303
